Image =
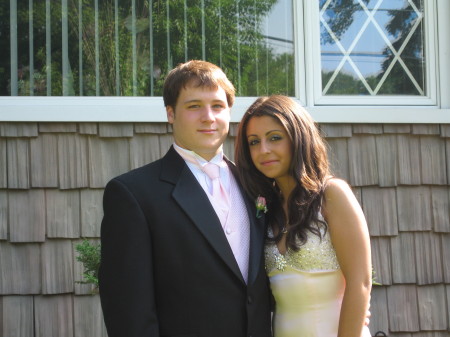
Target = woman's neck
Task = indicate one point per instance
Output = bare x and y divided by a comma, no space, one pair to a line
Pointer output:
286,186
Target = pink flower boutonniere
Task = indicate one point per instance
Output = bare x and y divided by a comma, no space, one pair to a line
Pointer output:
260,206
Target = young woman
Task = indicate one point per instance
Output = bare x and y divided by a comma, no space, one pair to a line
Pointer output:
317,252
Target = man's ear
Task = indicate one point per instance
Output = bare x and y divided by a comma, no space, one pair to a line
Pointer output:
170,114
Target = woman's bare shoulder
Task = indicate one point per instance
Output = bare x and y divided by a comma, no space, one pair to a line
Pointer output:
336,186
338,193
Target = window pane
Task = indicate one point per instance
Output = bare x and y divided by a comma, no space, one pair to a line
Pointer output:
372,47
126,47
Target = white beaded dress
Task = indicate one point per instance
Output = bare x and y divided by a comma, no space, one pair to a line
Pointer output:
308,287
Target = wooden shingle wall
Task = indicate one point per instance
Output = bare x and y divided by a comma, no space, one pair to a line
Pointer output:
52,177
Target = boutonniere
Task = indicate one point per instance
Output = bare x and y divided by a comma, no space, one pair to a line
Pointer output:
261,206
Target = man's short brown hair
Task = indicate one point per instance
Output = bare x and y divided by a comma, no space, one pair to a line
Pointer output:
199,74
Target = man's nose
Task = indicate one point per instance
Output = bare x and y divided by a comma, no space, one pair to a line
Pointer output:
208,114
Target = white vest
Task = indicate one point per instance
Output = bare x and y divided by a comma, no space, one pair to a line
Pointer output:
237,228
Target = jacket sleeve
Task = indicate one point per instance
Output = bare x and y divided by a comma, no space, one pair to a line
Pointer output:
126,275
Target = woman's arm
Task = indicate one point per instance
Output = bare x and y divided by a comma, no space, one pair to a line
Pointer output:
350,238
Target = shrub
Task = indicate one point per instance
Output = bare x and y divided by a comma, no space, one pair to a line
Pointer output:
89,256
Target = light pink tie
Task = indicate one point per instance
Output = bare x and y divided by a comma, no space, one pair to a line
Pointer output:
219,196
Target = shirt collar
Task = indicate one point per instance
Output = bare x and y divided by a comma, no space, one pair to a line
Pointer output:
195,159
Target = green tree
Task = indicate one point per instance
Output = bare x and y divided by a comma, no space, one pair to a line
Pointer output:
132,54
399,27
340,15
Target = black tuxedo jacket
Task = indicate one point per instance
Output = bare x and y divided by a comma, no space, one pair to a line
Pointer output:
166,266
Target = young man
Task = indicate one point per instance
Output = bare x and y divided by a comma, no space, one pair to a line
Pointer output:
182,252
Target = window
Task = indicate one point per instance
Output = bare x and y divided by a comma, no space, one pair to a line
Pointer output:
374,52
345,60
125,48
372,48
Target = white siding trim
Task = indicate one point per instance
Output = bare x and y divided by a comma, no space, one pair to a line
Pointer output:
300,56
380,114
443,27
151,109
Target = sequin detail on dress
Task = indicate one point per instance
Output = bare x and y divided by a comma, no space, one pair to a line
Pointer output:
314,255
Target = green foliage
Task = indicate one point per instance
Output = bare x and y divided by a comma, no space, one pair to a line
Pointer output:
117,51
375,283
89,256
340,17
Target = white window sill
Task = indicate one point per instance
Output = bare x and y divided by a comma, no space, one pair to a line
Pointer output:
151,109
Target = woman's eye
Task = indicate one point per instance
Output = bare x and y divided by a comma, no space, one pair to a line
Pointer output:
253,142
275,137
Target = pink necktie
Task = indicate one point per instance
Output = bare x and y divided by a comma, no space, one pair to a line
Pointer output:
219,195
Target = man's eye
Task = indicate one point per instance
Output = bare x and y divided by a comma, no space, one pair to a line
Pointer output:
218,106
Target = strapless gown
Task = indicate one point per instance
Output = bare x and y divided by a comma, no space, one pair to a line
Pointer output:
308,287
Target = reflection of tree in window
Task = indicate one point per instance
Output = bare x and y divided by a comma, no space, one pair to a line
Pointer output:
398,83
128,47
401,74
341,13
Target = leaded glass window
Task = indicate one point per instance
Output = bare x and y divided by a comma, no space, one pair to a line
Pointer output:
373,47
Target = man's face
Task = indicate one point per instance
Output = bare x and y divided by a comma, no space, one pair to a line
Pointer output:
200,120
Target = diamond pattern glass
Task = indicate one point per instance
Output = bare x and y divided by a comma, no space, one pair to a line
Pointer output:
372,47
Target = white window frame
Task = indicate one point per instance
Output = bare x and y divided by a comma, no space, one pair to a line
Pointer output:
433,109
311,9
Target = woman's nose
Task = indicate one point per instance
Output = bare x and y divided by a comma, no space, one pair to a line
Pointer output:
265,148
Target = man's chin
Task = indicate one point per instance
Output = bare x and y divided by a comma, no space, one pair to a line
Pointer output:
208,152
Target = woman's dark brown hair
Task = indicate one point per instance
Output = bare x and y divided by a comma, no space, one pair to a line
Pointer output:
309,167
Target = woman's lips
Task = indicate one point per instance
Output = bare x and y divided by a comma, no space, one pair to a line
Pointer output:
268,162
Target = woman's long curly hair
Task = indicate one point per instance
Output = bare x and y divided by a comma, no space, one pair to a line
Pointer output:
309,166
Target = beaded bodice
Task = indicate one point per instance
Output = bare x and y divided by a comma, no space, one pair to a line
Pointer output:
315,255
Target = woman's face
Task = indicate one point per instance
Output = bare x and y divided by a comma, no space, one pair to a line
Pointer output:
270,146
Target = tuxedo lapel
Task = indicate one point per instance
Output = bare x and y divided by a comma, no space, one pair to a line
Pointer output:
256,241
191,197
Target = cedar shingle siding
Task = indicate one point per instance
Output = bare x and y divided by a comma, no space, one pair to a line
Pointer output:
51,184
